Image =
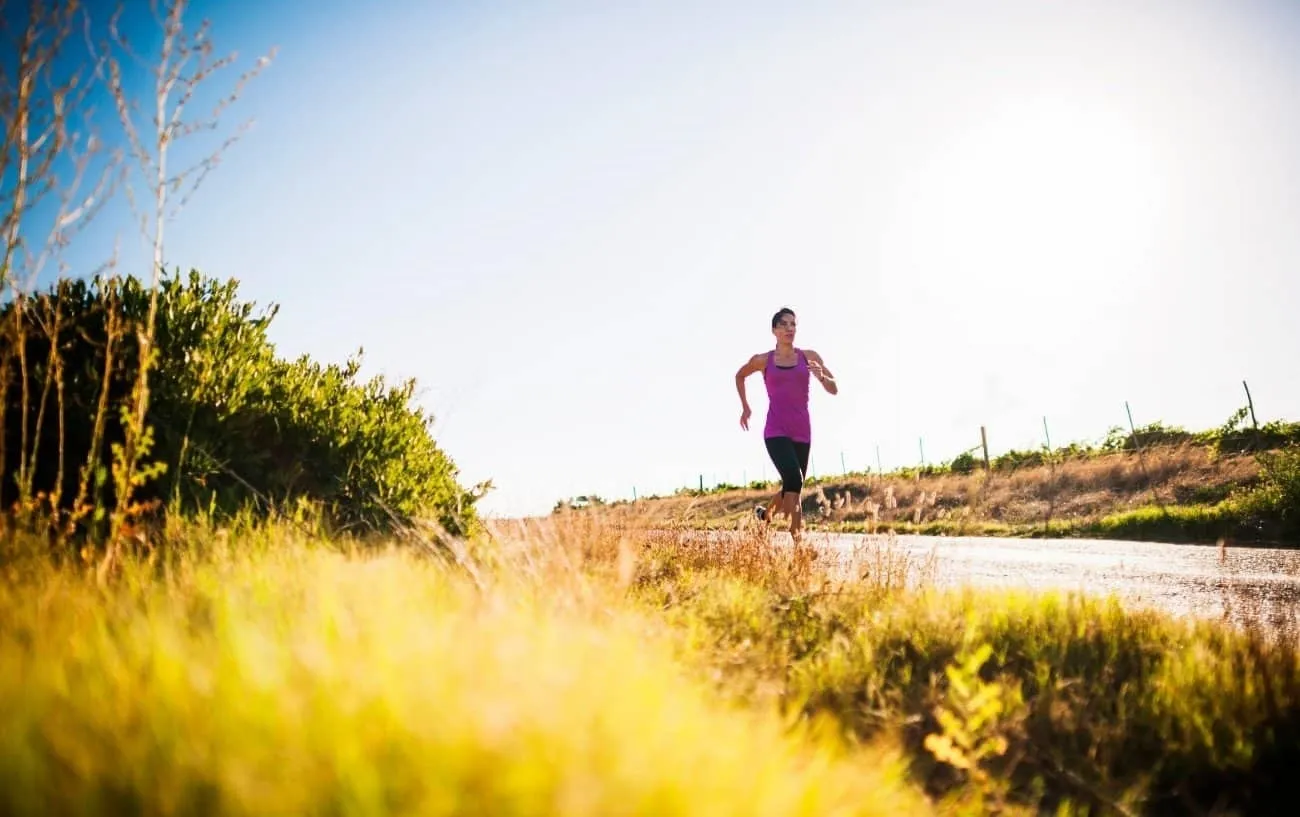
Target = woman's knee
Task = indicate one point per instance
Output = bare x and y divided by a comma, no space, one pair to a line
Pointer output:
792,482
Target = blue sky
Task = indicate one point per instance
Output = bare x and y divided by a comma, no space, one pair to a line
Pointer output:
571,222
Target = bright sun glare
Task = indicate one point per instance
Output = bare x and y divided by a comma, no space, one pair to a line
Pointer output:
1030,197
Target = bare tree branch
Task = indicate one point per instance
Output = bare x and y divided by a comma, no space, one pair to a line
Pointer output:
184,64
47,148
39,137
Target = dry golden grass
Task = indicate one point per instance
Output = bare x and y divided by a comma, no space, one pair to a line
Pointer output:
610,662
1071,489
291,675
1119,710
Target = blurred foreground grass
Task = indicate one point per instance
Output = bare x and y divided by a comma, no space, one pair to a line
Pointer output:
304,680
612,667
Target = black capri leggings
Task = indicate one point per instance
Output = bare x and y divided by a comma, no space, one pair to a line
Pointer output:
791,461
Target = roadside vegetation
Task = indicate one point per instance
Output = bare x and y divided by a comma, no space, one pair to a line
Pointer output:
592,665
1239,483
129,398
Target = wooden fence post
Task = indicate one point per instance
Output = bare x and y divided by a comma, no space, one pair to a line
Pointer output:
1250,403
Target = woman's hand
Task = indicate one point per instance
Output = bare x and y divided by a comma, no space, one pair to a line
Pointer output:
752,366
818,368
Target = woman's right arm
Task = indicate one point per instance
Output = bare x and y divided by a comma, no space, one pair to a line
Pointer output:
754,364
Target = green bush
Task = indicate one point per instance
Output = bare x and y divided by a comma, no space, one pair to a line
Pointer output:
1234,436
1278,494
1152,434
1014,459
963,463
579,503
233,425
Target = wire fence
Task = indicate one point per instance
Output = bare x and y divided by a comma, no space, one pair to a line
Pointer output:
976,456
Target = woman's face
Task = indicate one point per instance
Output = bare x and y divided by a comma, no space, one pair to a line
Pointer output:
784,329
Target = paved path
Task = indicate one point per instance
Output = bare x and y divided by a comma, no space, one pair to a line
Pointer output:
1247,584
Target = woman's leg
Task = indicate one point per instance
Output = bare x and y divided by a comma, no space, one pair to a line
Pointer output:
801,451
785,454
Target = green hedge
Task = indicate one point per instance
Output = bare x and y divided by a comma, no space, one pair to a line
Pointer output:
234,426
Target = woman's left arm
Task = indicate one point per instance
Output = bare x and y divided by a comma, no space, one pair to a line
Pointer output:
818,367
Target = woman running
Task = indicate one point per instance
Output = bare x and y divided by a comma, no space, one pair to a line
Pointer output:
788,430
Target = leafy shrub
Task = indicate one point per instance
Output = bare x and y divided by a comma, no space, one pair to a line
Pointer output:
1014,459
233,425
1279,489
578,503
1234,436
963,463
1074,451
1152,434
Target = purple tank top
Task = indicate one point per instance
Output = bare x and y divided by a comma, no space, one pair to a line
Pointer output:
787,399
